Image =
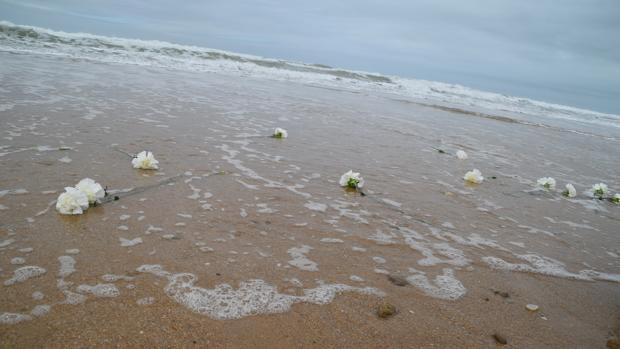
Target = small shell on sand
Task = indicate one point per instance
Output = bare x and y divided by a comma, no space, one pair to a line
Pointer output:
531,307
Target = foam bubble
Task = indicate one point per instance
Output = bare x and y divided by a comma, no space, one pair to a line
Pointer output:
40,310
315,206
548,266
392,203
448,225
6,242
445,286
13,318
300,260
18,261
114,278
263,208
146,301
381,238
37,296
73,298
129,243
378,259
332,240
24,273
100,290
344,210
252,297
67,266
295,282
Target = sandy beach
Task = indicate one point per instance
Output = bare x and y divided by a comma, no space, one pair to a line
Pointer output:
243,240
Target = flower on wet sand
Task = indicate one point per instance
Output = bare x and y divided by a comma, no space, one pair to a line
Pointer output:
474,176
145,160
72,201
615,199
352,180
93,190
599,189
462,155
280,133
570,191
547,183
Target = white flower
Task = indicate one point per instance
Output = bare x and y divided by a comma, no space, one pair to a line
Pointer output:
599,189
93,190
616,199
280,133
546,182
352,180
474,176
570,191
145,160
461,155
72,201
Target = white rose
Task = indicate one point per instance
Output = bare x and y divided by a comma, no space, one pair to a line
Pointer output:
280,133
145,160
72,201
546,182
474,176
352,180
570,191
599,189
616,199
93,190
462,155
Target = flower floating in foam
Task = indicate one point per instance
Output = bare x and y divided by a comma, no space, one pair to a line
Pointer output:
474,176
615,199
546,182
599,190
462,155
352,180
145,160
72,201
93,190
570,191
280,133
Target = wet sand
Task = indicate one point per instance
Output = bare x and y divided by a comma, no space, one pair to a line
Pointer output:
229,205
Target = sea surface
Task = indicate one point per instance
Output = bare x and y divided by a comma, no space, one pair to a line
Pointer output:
35,40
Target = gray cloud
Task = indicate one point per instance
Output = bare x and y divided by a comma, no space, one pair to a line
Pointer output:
565,52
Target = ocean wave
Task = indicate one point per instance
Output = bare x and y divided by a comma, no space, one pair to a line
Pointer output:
33,40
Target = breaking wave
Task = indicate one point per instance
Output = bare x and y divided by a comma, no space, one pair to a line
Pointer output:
33,40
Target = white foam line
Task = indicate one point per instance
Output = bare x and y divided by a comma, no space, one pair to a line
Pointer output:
252,297
231,159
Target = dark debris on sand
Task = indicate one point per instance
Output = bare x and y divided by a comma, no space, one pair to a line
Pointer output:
385,310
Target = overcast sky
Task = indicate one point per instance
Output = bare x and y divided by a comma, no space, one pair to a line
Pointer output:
566,52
